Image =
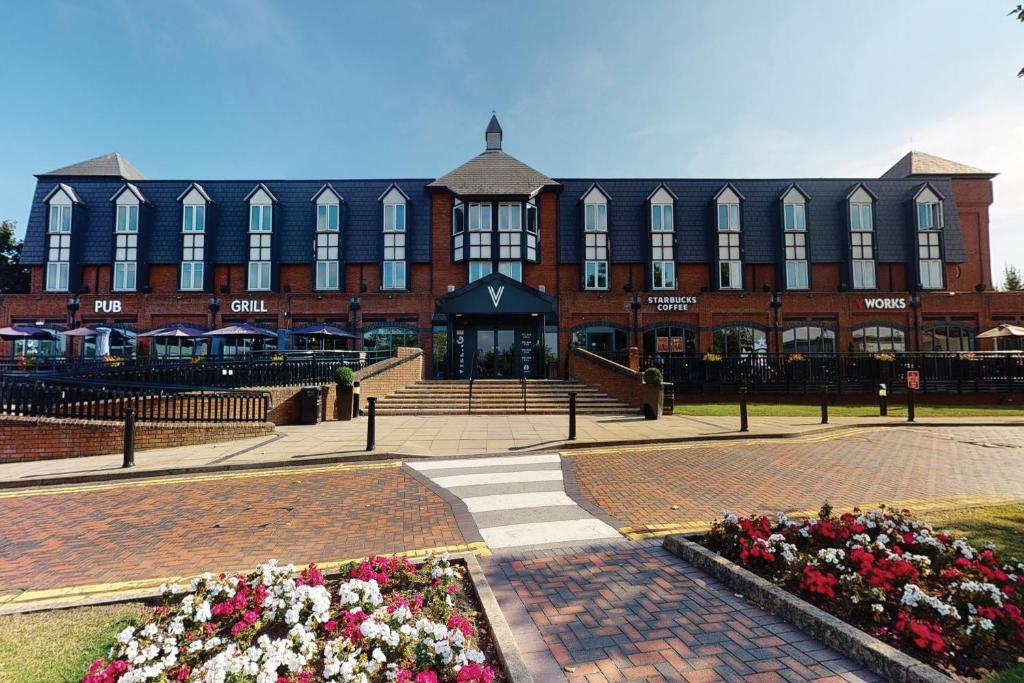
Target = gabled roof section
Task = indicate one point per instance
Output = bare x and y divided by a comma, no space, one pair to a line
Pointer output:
393,186
493,126
67,189
494,173
110,165
928,186
327,188
790,188
501,294
732,188
198,188
861,186
915,163
128,187
259,187
598,187
662,186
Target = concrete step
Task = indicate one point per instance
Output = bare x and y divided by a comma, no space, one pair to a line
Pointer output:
499,397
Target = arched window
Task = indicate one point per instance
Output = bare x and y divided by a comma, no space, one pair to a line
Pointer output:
670,340
739,340
390,338
601,339
809,339
947,338
875,338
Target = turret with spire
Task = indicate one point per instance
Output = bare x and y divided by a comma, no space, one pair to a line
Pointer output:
493,133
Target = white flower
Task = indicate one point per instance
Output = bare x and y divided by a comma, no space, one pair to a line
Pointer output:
914,596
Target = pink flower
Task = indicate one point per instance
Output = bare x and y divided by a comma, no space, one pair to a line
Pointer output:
331,626
460,622
475,673
425,677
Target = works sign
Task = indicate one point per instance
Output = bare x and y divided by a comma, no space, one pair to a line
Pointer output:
882,303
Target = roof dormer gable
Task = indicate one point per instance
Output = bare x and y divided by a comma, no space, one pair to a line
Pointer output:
261,194
393,195
128,195
861,194
62,195
728,195
327,195
926,194
595,194
662,195
195,194
795,194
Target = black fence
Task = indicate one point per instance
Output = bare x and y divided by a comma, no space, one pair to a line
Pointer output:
89,401
281,368
844,373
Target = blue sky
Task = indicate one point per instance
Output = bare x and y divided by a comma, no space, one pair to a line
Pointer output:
259,89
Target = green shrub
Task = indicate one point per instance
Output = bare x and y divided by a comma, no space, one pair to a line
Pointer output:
344,376
653,376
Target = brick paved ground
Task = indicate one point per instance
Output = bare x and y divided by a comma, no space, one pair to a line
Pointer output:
634,612
170,527
641,487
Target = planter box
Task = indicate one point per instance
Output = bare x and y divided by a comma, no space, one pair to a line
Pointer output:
654,401
343,403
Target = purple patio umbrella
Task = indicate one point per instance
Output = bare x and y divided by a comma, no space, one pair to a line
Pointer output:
324,330
177,330
80,332
24,332
240,330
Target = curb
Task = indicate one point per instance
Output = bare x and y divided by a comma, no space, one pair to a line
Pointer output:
879,657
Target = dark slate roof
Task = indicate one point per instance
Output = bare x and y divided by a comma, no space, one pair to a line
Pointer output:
493,173
916,163
294,218
111,165
760,217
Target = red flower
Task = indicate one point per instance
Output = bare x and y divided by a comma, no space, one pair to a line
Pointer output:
818,583
462,623
425,677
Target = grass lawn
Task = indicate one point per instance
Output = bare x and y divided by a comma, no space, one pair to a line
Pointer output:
861,410
1014,675
1003,525
54,647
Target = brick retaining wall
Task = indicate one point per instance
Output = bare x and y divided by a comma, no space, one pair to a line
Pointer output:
23,439
613,379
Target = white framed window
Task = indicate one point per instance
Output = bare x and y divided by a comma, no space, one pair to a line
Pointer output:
60,218
862,252
796,260
730,275
259,247
480,217
929,253
125,276
479,245
259,276
394,247
327,216
596,275
193,247
512,269
661,247
864,274
394,275
796,275
510,217
478,269
192,275
532,232
458,232
261,218
510,245
661,218
127,218
193,218
57,276
795,216
595,217
394,217
327,246
860,216
326,274
664,274
929,215
729,217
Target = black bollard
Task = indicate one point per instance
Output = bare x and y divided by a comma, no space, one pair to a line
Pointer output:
129,438
743,410
824,406
371,425
355,399
883,400
910,405
572,416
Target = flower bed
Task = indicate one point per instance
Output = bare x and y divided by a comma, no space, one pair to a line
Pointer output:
932,595
382,620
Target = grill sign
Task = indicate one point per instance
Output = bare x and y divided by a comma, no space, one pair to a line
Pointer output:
672,303
245,306
882,303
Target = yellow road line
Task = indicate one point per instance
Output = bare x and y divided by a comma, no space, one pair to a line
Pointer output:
719,442
158,480
918,506
104,592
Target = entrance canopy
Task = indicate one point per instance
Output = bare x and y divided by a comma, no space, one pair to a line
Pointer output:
497,295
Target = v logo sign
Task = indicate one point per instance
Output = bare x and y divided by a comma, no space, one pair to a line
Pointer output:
496,295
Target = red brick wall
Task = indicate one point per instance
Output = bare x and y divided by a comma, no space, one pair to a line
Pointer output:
29,438
386,377
615,380
973,197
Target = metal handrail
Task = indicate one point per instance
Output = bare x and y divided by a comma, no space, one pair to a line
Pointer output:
522,376
472,378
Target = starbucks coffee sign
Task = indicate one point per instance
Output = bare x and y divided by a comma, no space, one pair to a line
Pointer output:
672,303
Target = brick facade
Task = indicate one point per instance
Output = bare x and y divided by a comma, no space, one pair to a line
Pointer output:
615,380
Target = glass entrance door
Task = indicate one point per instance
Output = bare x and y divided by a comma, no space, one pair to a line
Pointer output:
495,353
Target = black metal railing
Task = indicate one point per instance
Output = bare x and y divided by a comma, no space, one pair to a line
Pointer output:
845,373
79,399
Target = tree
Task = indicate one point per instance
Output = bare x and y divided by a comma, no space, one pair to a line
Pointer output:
14,277
1018,11
1012,281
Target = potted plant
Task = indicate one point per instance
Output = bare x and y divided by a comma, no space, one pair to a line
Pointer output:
883,363
277,358
712,366
796,367
654,393
345,378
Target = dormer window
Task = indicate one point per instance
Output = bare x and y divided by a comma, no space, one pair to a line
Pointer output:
794,213
393,267
862,239
532,232
58,240
595,239
929,239
510,240
126,238
662,239
729,252
328,238
193,238
261,225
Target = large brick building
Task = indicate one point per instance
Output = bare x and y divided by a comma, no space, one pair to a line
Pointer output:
495,260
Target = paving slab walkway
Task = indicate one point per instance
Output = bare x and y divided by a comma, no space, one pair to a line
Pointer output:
626,611
435,436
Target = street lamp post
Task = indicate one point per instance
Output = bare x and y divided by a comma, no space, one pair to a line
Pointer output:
73,305
354,307
634,305
776,304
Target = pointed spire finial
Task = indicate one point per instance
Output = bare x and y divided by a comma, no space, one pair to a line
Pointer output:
493,133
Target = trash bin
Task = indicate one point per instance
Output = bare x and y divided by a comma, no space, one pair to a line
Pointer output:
309,405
